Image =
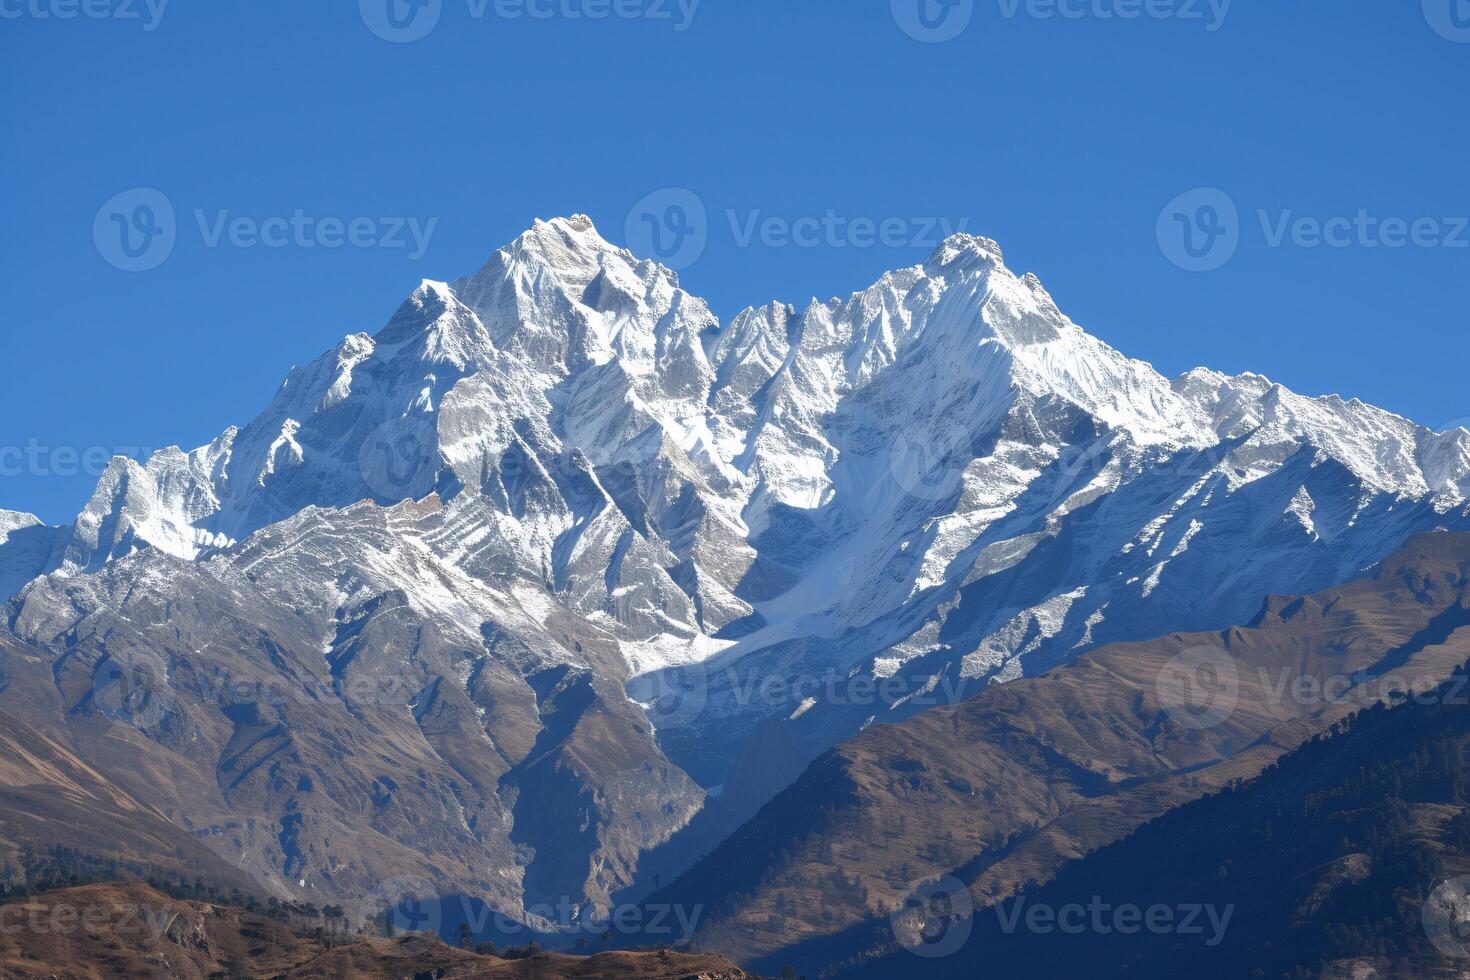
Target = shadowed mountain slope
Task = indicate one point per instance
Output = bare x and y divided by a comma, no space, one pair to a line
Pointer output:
1345,859
1009,786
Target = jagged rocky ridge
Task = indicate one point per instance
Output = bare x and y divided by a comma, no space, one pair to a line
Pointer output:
557,492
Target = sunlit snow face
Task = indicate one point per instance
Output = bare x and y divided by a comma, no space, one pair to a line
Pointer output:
928,462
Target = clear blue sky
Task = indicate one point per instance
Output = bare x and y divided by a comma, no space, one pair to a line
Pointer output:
1063,138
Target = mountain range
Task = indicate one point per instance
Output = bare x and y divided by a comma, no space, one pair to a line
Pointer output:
546,588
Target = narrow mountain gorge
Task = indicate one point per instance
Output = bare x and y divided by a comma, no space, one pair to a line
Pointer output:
546,587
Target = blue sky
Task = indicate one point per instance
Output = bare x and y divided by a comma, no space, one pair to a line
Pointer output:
1062,132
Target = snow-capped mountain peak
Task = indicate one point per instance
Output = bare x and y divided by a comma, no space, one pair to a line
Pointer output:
561,481
882,469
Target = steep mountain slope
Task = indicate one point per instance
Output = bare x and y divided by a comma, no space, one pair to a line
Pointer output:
1347,858
503,585
58,814
333,704
1008,786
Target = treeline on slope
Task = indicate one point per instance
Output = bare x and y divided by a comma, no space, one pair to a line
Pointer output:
57,866
60,867
131,929
1326,857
